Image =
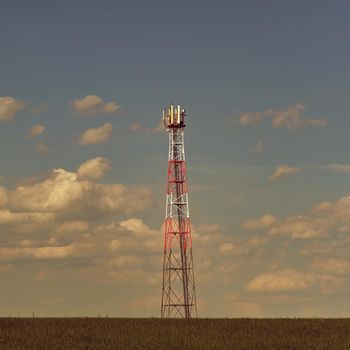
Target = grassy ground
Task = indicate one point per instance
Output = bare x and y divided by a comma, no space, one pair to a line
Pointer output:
114,333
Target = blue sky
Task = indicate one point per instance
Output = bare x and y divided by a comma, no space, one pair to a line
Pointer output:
222,61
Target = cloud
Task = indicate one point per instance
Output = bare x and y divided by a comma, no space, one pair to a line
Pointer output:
226,247
332,265
137,226
281,280
105,252
113,245
240,247
43,253
340,168
63,221
9,106
137,127
297,227
258,148
300,227
291,118
316,250
41,148
3,197
8,217
125,261
159,128
94,169
92,105
72,227
64,218
62,195
36,130
284,170
95,136
266,221
250,118
325,219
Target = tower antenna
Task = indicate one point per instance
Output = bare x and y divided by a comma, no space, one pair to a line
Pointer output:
178,292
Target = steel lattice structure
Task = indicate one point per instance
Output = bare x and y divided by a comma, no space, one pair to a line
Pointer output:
178,292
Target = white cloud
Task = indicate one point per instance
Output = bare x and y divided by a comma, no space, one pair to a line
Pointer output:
281,280
3,197
8,217
322,207
250,118
226,247
94,169
95,136
137,127
64,218
264,222
159,128
284,170
340,168
112,245
71,227
323,220
92,105
258,241
9,106
62,194
258,148
316,250
125,261
332,265
41,148
36,130
137,226
291,118
46,252
299,227
240,247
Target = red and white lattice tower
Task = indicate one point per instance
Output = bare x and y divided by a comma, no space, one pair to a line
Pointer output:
178,292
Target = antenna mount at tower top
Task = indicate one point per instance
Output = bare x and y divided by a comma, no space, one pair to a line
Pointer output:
174,117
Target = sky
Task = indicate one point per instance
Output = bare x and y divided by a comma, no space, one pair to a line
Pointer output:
83,160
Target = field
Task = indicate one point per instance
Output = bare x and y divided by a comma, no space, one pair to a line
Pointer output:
128,333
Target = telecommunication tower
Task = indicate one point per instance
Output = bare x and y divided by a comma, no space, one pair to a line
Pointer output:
178,292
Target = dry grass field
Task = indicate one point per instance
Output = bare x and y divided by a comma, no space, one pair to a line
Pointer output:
153,333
